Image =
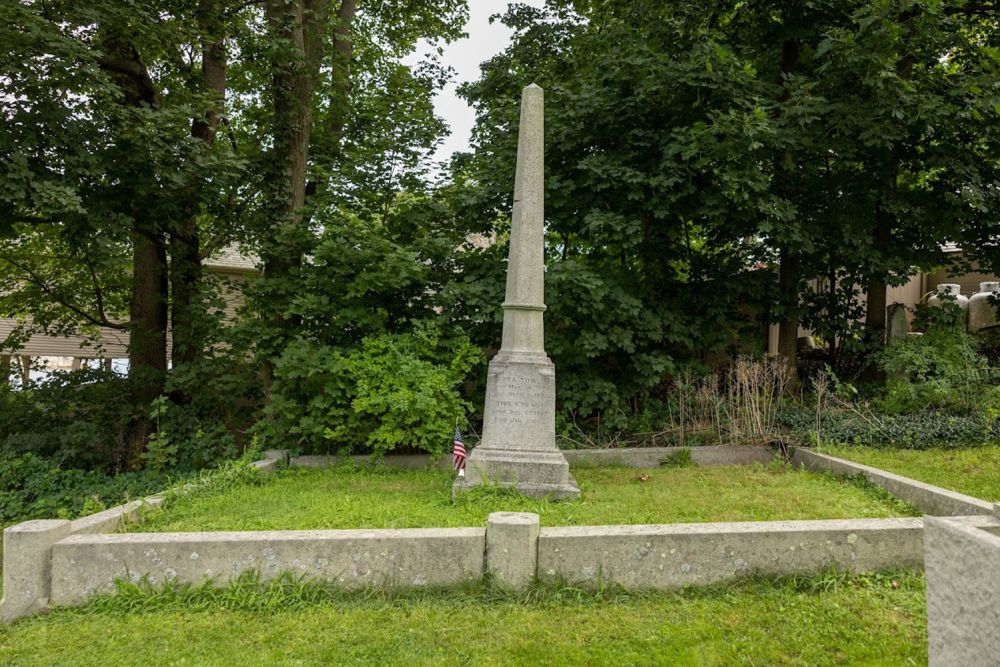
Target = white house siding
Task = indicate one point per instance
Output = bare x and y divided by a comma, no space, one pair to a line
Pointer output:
228,264
110,343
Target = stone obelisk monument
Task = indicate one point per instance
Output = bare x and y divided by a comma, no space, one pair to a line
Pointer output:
519,434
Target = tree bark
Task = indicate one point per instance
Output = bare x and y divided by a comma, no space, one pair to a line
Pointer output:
25,370
885,217
148,332
185,241
875,308
292,90
831,312
788,270
788,322
298,27
336,119
343,47
148,307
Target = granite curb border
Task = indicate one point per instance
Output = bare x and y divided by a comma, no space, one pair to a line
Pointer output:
65,562
51,566
634,457
929,499
962,565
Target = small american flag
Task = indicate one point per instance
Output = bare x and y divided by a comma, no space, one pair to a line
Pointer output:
459,453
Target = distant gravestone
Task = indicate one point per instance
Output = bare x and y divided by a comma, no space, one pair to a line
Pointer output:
518,447
897,323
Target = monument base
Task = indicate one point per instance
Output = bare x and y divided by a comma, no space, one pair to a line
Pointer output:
533,473
518,448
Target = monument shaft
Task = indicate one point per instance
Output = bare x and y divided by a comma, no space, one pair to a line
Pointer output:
518,447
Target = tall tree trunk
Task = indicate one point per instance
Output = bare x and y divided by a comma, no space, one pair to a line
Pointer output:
788,322
148,331
875,308
885,216
877,283
185,242
831,312
344,48
298,26
788,270
292,91
336,117
148,308
25,360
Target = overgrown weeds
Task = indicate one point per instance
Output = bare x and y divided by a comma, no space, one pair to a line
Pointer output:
738,405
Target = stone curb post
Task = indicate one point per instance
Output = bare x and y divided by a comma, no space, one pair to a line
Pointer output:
27,566
512,548
962,567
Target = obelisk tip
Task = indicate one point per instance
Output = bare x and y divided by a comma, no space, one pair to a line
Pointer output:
532,86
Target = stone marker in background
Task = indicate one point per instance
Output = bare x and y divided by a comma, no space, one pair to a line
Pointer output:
518,447
898,325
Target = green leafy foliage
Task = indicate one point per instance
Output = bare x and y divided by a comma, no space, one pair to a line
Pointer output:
32,487
75,419
393,391
652,184
939,370
680,154
685,158
209,405
411,396
920,430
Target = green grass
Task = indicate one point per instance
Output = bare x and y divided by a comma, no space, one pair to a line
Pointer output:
974,470
386,498
873,619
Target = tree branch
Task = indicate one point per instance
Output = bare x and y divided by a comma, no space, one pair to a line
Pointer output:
101,320
133,68
213,244
35,220
98,293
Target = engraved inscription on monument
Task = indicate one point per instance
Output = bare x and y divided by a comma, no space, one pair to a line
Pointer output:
524,407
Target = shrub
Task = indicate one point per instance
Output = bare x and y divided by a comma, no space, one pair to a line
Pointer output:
77,418
938,371
393,391
209,404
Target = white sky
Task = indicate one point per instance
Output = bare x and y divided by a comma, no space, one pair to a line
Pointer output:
485,40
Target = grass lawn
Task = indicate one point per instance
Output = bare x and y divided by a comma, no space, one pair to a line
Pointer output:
874,619
385,498
972,470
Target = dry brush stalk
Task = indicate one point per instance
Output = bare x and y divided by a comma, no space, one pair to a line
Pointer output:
755,388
